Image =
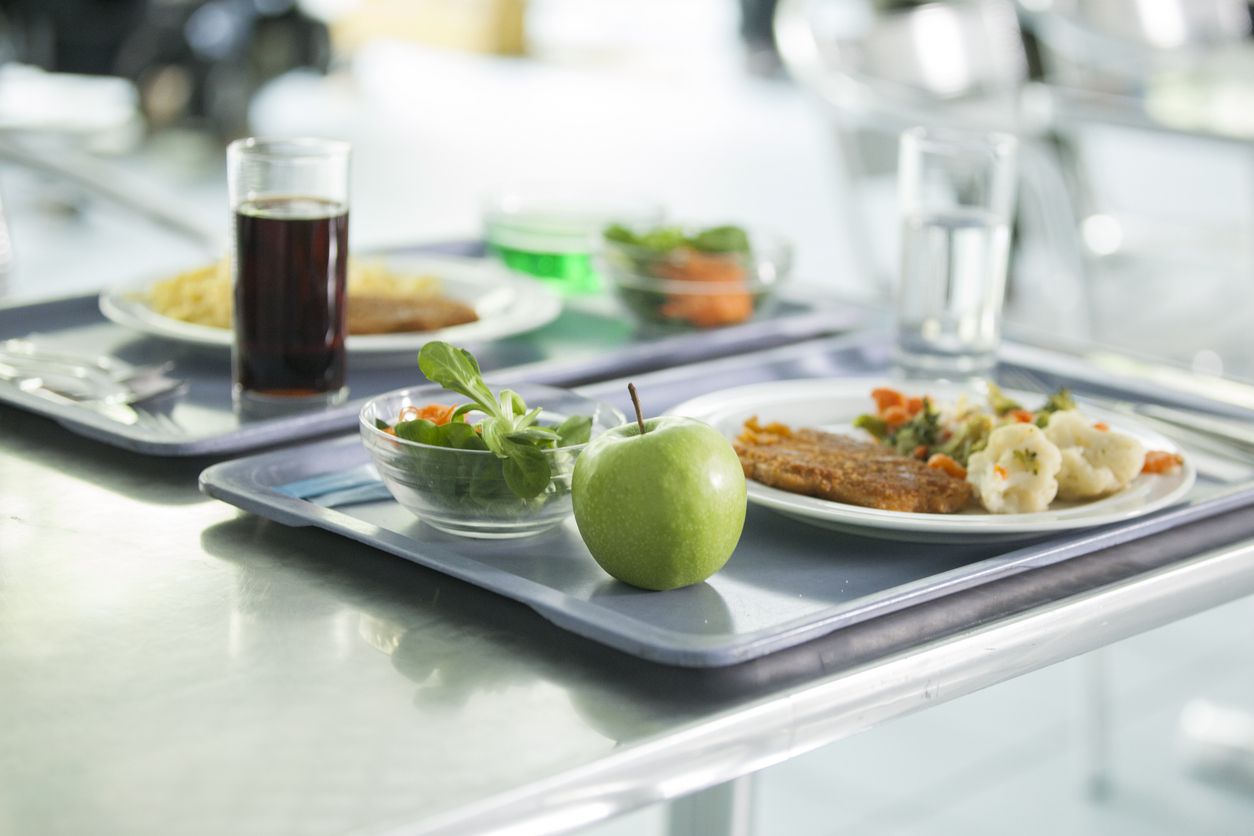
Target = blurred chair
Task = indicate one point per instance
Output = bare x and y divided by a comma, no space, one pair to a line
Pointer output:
195,63
959,64
1116,44
1166,71
1158,97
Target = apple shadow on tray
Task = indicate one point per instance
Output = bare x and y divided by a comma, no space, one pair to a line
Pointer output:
697,609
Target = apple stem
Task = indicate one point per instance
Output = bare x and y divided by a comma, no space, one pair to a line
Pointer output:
635,401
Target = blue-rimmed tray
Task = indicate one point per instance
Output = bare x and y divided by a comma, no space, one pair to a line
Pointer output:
788,582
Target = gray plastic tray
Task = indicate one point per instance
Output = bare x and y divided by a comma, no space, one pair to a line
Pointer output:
787,582
586,343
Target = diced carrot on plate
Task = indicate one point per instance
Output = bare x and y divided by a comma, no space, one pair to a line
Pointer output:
895,416
946,464
1160,461
885,398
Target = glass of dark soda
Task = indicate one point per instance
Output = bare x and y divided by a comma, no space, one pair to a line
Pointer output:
289,203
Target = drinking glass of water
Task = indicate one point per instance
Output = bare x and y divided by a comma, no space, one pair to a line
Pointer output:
957,201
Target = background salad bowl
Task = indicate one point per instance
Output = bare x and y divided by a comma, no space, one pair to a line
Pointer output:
684,278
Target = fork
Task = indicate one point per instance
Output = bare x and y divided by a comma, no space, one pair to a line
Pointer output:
24,352
85,377
1203,430
123,413
136,389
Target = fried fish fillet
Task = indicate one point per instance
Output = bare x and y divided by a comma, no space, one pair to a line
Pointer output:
386,314
847,470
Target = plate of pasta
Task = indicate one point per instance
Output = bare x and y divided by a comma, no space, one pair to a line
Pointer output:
395,305
941,462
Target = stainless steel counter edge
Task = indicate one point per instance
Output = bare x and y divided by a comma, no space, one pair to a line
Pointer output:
784,725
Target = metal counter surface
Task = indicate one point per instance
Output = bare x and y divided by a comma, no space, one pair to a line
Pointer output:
171,665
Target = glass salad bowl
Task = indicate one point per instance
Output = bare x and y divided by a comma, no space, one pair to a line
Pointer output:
683,287
464,491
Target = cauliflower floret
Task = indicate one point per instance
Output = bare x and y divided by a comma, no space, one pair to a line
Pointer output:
1016,473
1094,462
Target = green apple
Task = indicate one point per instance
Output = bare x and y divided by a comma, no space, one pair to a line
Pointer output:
662,508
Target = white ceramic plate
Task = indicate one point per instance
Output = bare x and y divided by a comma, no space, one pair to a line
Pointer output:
506,304
833,404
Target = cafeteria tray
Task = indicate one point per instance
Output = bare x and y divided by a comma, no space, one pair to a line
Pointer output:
787,582
591,340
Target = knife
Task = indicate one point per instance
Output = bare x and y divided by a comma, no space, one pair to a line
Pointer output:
119,412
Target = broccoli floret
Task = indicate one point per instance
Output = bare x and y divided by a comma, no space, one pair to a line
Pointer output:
999,403
873,424
922,430
1060,401
971,437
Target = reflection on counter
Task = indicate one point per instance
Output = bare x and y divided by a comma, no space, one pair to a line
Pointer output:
458,650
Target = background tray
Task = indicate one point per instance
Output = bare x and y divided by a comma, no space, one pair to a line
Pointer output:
591,340
787,582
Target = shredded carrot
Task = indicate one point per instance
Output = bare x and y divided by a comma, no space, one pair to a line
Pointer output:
920,452
691,265
733,303
1160,461
914,405
434,412
1101,425
895,416
438,413
708,310
1021,415
1000,471
885,398
946,464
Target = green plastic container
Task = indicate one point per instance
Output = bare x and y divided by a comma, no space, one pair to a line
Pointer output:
554,235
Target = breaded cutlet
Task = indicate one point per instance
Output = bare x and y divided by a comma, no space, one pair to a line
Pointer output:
843,469
386,314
